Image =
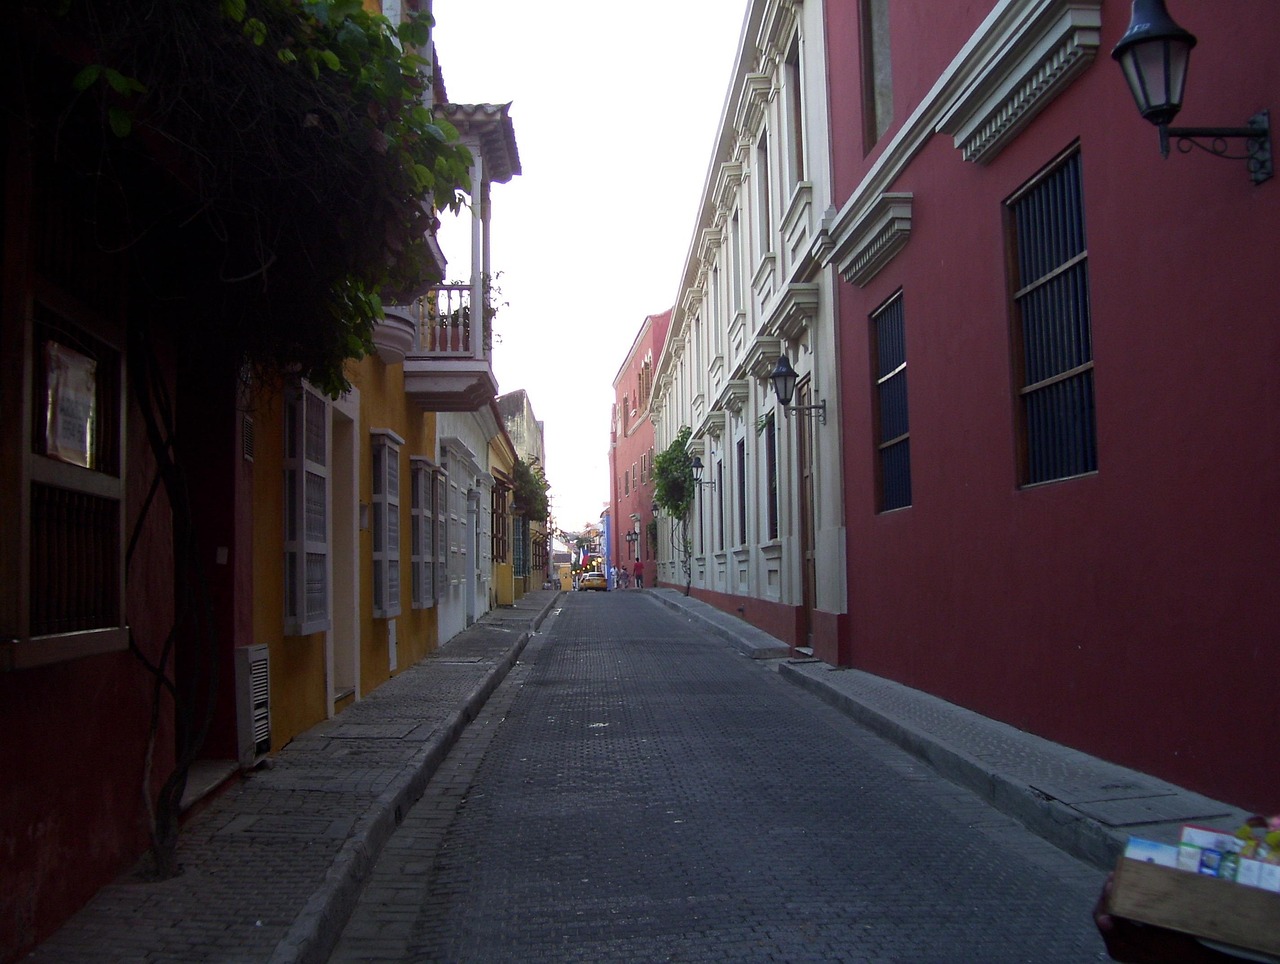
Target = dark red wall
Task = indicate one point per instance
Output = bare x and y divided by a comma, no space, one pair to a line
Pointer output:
71,813
1130,613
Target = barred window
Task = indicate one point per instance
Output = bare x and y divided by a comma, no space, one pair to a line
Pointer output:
893,442
771,477
1053,340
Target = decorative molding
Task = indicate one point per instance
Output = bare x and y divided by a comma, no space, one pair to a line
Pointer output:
777,27
394,335
752,103
761,356
872,243
713,425
709,244
726,190
1017,79
734,395
793,311
1006,36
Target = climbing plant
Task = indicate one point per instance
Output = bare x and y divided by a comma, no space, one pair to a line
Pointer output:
674,491
271,171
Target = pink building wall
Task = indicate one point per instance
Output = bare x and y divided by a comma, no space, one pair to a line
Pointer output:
633,445
1130,613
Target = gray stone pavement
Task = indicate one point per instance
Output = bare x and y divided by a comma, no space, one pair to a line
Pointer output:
274,865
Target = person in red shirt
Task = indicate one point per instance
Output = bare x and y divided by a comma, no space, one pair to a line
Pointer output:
638,571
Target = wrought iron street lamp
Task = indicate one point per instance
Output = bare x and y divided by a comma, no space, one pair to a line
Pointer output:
1154,54
697,472
784,380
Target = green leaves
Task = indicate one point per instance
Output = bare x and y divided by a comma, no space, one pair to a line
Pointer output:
119,118
674,487
321,163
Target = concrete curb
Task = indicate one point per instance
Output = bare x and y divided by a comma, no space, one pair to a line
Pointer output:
1058,823
739,634
315,932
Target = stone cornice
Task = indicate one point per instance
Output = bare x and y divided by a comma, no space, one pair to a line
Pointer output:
879,235
1017,78
793,311
989,61
754,100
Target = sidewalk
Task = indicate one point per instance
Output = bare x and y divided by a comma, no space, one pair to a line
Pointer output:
274,865
1084,805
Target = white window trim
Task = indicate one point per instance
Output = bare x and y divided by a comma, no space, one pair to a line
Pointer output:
297,620
422,515
385,522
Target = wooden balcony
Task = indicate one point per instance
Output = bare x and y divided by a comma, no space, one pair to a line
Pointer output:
447,365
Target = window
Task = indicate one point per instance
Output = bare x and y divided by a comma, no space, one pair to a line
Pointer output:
737,255
501,515
877,74
1053,342
795,114
63,531
306,512
719,489
385,523
443,530
422,542
771,477
456,532
889,350
740,470
763,199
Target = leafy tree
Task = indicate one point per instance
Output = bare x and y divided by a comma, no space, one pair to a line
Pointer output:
674,491
272,171
531,488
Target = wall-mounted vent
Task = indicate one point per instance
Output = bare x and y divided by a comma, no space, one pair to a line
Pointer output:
246,437
253,703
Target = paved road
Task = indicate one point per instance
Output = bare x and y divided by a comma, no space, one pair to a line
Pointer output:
638,791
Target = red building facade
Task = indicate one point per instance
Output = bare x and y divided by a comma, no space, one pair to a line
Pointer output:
1060,376
631,452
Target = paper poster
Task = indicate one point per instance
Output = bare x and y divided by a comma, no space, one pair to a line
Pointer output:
71,410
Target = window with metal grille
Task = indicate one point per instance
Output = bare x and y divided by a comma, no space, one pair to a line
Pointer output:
893,441
422,543
771,477
740,470
719,488
306,506
1053,341
385,523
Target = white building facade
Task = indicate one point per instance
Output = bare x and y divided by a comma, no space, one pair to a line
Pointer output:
766,528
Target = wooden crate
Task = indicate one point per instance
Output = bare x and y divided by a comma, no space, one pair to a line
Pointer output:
1220,910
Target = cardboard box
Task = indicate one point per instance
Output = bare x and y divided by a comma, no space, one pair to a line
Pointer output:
1220,910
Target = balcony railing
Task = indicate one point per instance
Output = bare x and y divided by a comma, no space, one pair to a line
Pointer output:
446,354
447,326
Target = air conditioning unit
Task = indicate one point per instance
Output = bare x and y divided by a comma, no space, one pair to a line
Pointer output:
253,703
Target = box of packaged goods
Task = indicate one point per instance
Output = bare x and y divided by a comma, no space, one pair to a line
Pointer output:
1214,884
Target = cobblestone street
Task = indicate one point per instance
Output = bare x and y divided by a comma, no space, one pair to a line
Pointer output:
637,790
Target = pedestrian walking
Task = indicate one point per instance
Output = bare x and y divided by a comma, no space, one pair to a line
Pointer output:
639,574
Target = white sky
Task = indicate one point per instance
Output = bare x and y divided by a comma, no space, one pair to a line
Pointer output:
615,109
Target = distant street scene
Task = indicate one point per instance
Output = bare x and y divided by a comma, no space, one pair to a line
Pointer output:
638,790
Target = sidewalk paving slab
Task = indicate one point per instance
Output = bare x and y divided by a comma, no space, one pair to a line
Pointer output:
1084,805
274,864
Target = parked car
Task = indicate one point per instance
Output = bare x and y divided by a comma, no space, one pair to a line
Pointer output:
593,580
